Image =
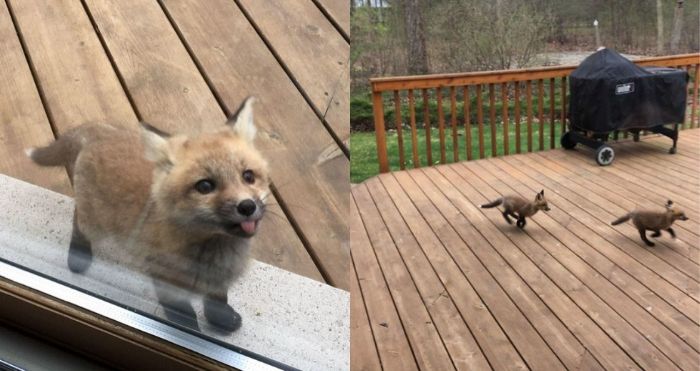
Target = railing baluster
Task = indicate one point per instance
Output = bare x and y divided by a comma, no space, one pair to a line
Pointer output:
528,102
693,123
414,130
378,109
517,116
563,105
552,104
480,119
467,123
427,126
540,110
453,121
399,134
492,120
441,126
504,101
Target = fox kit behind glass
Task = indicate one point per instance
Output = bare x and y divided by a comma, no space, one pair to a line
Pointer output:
646,220
184,206
519,208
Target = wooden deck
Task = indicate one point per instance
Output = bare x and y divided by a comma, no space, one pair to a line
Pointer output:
183,66
440,284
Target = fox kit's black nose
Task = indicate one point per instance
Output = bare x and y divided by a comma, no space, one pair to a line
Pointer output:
246,207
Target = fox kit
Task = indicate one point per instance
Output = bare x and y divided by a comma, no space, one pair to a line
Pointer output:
187,206
653,221
519,207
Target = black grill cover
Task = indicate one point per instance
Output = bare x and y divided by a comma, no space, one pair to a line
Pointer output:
609,92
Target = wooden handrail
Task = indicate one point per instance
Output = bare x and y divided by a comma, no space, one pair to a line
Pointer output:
490,87
380,84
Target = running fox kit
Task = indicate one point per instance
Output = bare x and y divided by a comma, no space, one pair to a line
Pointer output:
655,221
519,208
186,206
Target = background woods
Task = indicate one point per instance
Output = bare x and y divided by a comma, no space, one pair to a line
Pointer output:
402,37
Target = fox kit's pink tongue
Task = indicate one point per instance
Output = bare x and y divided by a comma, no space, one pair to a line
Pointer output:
248,226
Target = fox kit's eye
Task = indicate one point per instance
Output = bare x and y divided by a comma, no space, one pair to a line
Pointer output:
249,177
204,186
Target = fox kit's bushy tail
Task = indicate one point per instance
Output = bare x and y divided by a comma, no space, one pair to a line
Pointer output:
492,203
622,219
64,150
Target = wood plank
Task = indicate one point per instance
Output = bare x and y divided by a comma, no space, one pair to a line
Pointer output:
627,319
480,120
75,74
310,171
24,121
528,103
625,181
540,112
310,47
504,117
399,128
339,11
394,350
522,334
467,123
492,119
425,341
441,125
428,127
414,130
457,337
170,93
549,279
363,350
620,199
589,202
453,121
552,331
602,252
493,341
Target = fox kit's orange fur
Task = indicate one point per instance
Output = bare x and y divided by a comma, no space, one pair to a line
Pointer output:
519,207
656,221
187,206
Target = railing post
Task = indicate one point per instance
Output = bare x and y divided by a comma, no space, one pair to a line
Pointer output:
380,131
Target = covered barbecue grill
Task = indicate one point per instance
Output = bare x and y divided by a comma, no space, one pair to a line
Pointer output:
609,93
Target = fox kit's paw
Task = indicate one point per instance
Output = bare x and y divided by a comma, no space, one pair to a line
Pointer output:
79,255
181,312
221,315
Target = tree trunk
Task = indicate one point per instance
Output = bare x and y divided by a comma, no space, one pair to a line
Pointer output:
677,26
417,57
659,27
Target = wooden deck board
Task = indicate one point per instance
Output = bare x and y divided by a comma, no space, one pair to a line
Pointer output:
294,33
24,121
123,61
318,199
595,296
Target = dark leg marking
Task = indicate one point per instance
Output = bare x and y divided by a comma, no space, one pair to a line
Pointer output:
180,312
220,314
656,234
505,215
670,231
643,234
80,250
521,222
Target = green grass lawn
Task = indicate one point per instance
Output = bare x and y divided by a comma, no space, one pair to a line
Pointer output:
363,147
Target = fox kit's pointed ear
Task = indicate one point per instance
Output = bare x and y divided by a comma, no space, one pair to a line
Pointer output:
155,144
542,192
669,204
242,120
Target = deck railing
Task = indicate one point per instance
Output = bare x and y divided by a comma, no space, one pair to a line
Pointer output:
521,94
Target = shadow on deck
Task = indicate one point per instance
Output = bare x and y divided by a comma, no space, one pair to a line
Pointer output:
439,283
